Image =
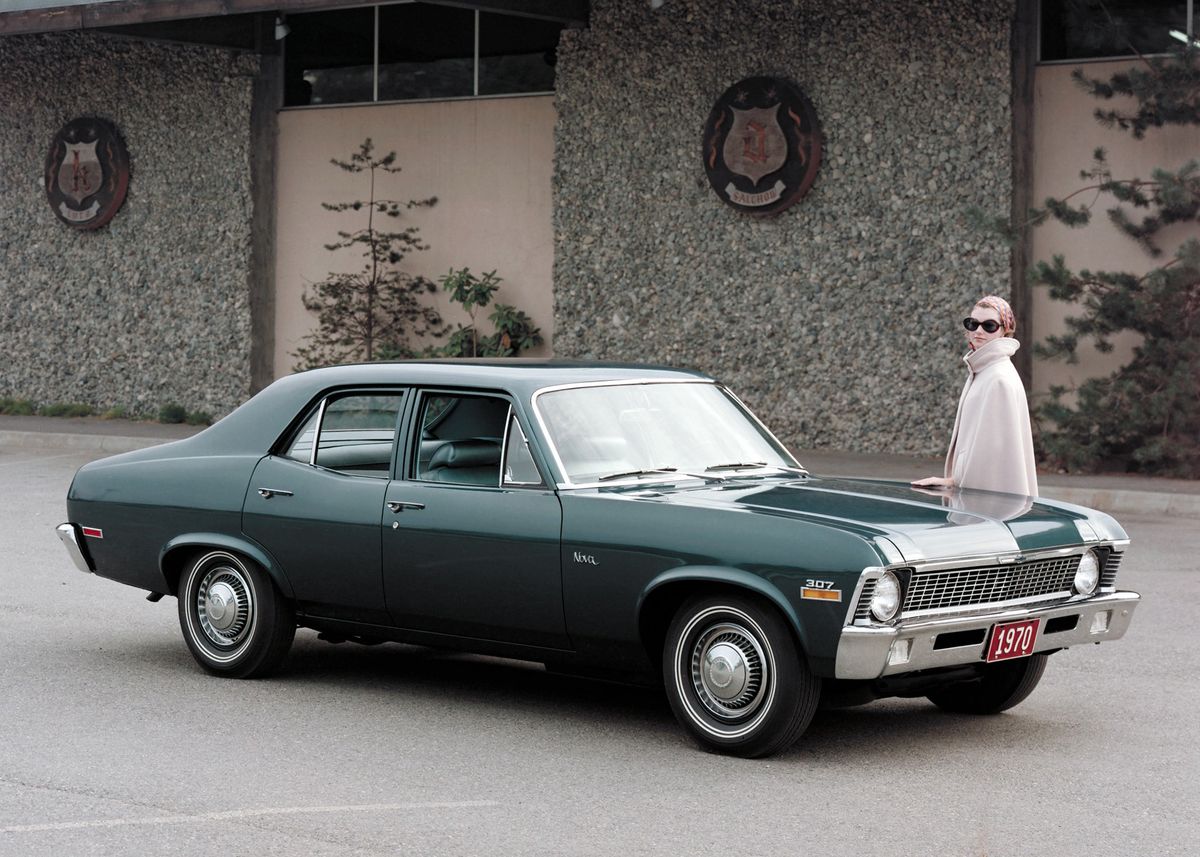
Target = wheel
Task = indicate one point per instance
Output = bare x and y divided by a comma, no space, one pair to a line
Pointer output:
234,620
735,678
1001,686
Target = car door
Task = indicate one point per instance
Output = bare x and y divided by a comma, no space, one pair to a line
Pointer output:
317,507
465,551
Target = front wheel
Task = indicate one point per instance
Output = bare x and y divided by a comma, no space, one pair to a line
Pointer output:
234,620
734,677
1001,686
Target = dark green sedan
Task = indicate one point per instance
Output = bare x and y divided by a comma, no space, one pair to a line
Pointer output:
627,522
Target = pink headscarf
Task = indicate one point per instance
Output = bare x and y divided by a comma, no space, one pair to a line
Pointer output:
1008,322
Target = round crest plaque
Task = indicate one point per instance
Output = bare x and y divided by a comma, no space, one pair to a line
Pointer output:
87,173
762,145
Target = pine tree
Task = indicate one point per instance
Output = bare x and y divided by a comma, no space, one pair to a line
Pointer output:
1145,416
375,312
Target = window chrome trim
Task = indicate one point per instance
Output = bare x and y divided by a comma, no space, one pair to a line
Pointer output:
567,485
316,443
509,422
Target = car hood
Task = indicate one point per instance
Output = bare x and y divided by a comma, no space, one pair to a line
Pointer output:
923,525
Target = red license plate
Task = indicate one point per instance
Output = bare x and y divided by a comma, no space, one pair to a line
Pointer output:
1012,640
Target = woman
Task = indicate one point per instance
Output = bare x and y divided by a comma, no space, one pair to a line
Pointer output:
992,443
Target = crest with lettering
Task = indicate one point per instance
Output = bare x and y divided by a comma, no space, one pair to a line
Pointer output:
762,145
87,173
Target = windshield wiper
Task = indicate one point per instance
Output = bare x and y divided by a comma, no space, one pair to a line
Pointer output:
627,474
745,465
735,465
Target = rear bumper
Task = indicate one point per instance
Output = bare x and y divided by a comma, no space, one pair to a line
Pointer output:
69,535
869,652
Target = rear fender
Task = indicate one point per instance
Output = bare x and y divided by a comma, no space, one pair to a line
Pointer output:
172,551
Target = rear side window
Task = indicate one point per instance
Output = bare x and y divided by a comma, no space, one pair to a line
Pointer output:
355,434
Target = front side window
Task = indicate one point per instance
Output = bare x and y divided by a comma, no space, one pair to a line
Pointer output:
461,439
355,434
605,432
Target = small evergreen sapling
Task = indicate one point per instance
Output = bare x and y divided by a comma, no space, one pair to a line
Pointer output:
375,312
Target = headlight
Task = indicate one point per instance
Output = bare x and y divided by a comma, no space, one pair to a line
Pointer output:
1088,574
885,600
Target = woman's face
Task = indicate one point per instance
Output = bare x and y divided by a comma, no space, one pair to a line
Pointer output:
979,336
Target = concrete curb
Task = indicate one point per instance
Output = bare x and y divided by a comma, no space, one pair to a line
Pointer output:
81,442
1127,502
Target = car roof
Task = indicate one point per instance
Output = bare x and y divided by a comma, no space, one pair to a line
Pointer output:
256,424
521,376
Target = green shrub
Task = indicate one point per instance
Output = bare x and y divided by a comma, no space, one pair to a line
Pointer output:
117,412
199,418
17,407
66,409
172,413
514,331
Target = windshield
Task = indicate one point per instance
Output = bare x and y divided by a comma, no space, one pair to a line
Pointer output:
645,429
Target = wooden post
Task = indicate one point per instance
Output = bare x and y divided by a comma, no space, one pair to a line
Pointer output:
266,99
1024,61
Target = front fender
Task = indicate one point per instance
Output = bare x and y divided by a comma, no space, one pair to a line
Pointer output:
238,544
672,586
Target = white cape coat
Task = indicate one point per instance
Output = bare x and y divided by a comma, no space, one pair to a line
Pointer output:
992,443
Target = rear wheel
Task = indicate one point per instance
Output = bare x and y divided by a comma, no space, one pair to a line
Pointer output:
734,677
234,620
1001,686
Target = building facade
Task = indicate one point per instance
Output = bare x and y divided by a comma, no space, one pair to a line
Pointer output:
836,320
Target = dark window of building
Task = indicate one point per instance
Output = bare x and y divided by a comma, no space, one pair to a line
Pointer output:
329,57
1091,29
516,54
425,50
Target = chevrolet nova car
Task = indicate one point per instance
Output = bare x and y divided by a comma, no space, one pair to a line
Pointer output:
631,522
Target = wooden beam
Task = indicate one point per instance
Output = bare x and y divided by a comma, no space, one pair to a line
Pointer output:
125,12
573,12
119,13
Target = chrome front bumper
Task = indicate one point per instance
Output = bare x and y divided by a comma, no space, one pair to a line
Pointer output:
869,652
69,534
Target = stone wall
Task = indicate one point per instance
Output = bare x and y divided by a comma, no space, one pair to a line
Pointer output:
838,320
154,307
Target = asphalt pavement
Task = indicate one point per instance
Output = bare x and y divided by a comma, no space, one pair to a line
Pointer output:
115,742
1115,493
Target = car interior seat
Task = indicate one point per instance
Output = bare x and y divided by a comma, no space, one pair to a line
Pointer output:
466,462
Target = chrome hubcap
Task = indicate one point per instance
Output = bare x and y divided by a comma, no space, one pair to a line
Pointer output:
224,603
728,671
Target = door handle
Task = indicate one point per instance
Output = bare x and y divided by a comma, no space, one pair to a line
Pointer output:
268,493
401,505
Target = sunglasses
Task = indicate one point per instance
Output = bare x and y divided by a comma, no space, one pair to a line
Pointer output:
988,326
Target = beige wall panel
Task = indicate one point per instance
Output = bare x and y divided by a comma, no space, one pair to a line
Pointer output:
489,163
1065,136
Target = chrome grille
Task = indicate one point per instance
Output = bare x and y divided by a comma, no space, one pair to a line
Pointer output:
1108,575
864,600
967,587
